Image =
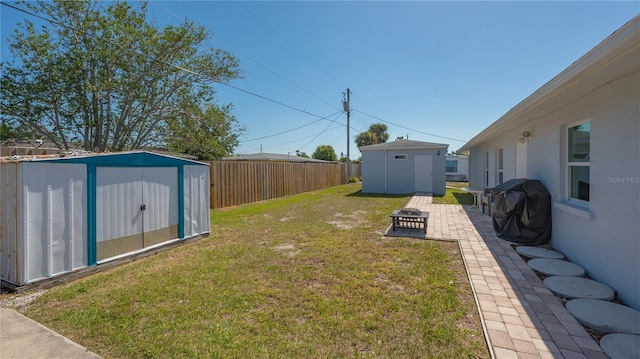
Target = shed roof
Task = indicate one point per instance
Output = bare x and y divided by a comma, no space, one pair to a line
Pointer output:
129,159
404,145
614,58
275,157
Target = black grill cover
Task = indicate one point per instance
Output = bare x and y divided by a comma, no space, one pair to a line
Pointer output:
522,211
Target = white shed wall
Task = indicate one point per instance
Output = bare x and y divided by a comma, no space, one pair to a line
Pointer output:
10,195
54,212
196,200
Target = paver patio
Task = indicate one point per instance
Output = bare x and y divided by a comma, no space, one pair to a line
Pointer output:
520,317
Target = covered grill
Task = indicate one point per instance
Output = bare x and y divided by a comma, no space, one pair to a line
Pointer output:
522,212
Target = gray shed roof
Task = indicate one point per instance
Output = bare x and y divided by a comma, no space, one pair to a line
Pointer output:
405,145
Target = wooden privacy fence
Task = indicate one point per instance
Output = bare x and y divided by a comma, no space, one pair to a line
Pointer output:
238,182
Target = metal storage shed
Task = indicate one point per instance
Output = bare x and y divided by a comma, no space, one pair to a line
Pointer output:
404,166
61,214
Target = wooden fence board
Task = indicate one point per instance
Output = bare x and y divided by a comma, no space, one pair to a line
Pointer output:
238,182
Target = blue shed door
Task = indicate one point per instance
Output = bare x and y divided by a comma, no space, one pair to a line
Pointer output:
135,208
423,174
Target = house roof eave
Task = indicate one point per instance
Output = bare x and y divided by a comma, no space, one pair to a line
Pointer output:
620,47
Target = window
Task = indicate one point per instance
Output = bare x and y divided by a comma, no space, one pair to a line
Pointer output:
452,166
578,161
400,157
500,161
486,169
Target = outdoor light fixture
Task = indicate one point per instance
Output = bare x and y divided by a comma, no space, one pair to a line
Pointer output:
438,153
525,137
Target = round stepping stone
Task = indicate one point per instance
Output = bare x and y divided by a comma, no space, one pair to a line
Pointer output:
580,288
556,267
606,317
538,252
620,345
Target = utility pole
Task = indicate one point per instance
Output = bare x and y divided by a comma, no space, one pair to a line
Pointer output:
345,106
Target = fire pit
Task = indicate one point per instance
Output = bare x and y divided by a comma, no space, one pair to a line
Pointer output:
409,218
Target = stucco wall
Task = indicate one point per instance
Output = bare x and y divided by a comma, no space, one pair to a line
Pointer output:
605,239
400,174
373,172
462,171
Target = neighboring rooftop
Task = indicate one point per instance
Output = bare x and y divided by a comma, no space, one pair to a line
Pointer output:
405,145
274,157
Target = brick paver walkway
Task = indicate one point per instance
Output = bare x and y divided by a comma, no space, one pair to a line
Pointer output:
521,318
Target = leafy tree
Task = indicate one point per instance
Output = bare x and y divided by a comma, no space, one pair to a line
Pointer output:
209,134
380,131
377,133
325,152
301,154
106,78
6,132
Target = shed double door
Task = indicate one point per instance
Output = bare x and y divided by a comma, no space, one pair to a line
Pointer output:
135,208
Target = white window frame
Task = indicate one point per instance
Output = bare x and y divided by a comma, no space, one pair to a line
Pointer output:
569,164
486,169
500,165
401,157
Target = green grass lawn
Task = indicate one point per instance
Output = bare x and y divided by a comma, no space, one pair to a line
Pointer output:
306,276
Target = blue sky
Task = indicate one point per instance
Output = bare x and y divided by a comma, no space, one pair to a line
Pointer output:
434,71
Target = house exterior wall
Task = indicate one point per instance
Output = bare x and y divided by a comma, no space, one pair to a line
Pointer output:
462,171
488,153
383,173
604,238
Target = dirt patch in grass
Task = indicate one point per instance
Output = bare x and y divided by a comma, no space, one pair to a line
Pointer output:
287,249
350,221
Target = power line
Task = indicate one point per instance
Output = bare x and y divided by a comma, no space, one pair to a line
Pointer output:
235,49
411,129
290,142
293,129
290,44
181,68
323,131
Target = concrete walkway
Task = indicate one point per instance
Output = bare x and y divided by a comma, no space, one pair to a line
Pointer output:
21,337
521,318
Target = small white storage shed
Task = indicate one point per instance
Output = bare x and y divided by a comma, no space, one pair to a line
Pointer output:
404,166
61,214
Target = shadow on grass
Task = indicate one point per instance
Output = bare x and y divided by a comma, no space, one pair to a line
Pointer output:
377,195
463,198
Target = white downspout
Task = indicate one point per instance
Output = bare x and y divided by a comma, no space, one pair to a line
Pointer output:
385,171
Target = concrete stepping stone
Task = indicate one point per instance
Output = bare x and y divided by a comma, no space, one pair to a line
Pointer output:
621,346
579,288
556,267
538,252
606,317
